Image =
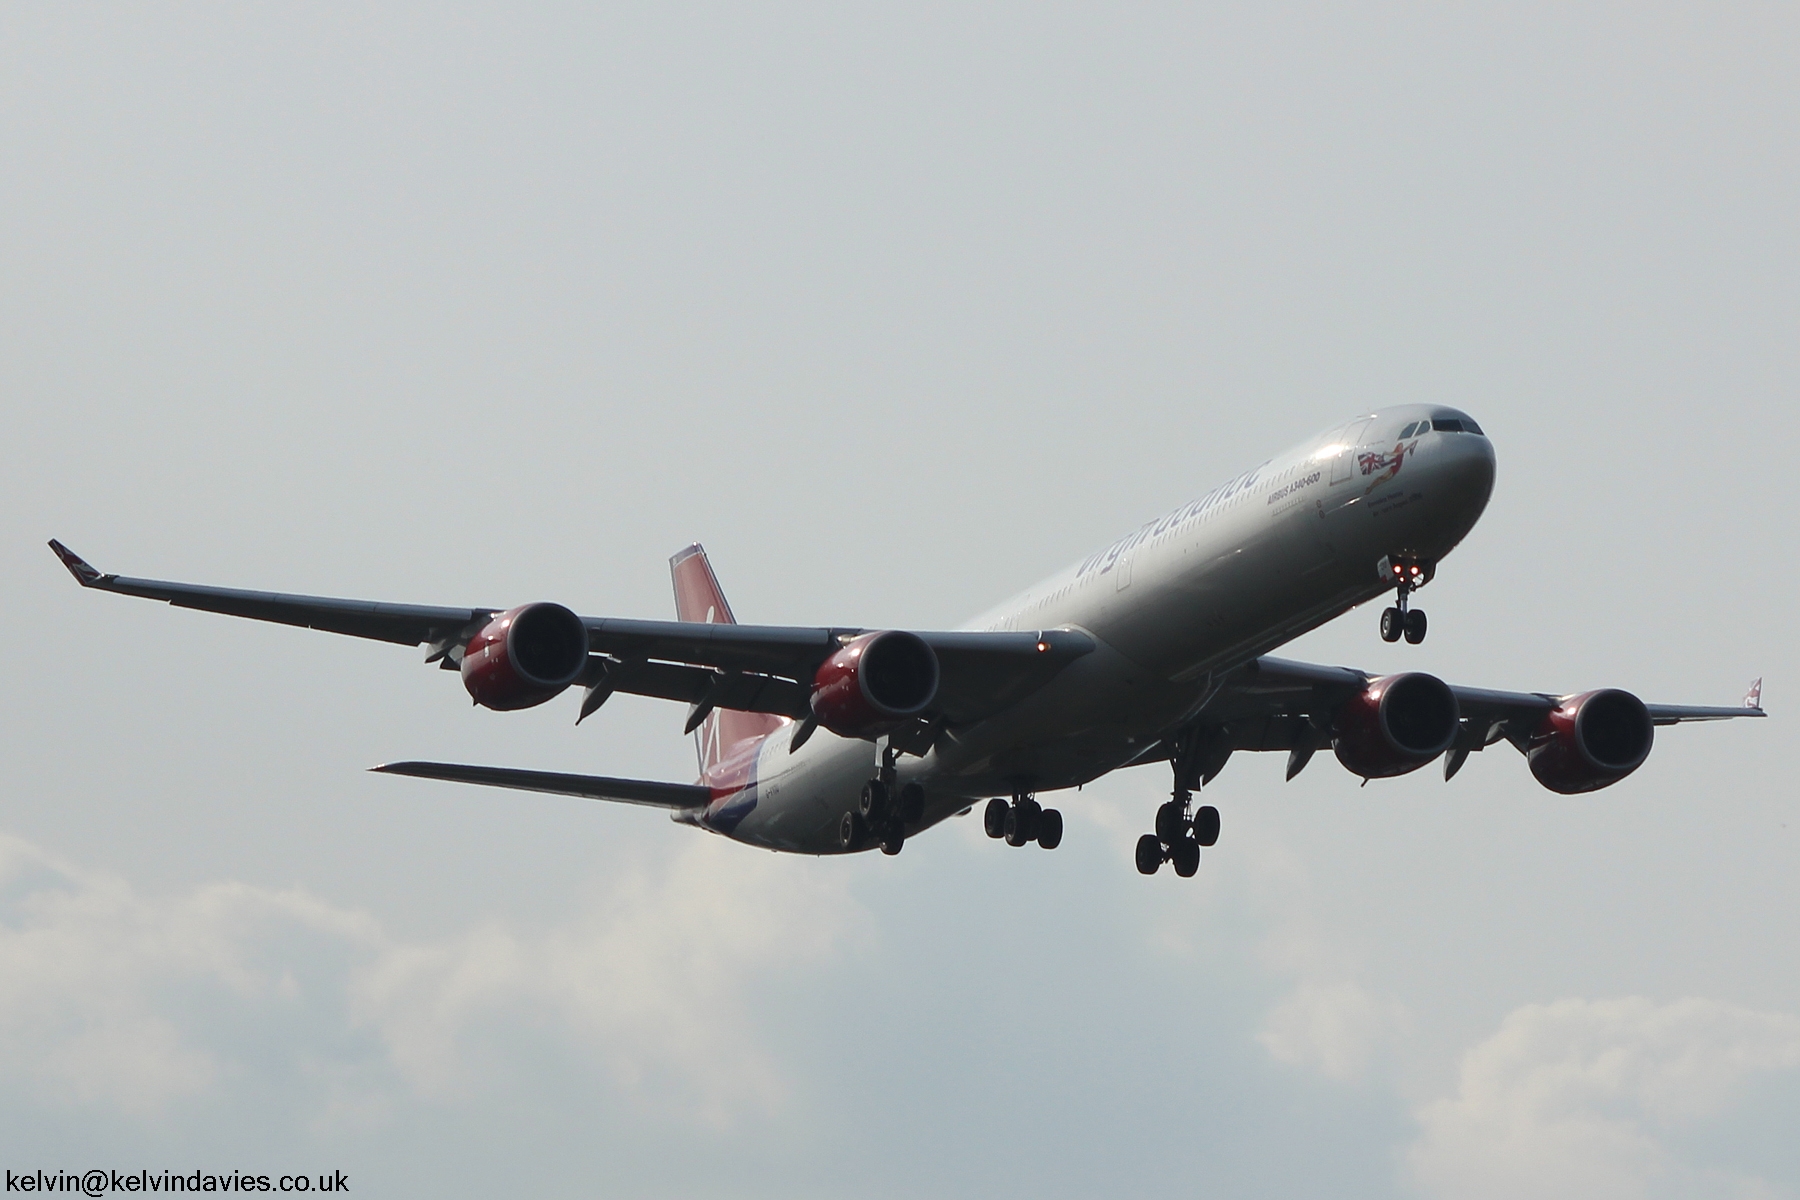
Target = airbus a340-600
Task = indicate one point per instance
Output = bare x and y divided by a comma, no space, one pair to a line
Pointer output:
1155,649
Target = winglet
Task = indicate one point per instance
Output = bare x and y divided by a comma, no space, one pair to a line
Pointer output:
84,574
1753,698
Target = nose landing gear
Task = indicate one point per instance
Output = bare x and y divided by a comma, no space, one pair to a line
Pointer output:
1407,574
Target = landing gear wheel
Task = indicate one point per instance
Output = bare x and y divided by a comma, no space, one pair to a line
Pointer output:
851,831
1050,829
1393,624
912,804
1415,627
1022,821
1206,825
873,803
1185,855
1171,822
1149,854
993,817
891,844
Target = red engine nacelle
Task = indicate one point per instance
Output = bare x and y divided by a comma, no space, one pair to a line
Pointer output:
525,656
875,684
1590,741
1395,725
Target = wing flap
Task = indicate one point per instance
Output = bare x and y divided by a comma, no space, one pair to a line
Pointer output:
589,787
739,691
795,651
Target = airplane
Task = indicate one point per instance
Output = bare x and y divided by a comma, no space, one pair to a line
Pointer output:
1154,649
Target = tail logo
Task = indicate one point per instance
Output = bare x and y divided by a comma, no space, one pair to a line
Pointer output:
698,598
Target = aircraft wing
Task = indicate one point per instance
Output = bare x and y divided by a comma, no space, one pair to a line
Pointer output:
407,624
751,668
1280,704
981,673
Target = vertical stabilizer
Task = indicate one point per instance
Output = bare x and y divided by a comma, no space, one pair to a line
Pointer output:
697,594
699,598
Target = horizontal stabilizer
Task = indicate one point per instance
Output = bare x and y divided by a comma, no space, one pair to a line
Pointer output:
589,787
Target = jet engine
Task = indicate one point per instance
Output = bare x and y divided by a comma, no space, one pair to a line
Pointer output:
525,656
1590,741
1395,725
876,683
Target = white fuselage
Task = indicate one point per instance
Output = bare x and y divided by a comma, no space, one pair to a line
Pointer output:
1259,560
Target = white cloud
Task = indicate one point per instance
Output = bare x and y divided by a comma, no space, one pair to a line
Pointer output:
649,981
87,969
1333,1028
1328,1023
110,998
1577,1098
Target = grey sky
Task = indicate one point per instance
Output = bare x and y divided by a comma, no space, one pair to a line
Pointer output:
896,310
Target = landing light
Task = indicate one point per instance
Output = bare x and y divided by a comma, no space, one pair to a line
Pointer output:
1043,646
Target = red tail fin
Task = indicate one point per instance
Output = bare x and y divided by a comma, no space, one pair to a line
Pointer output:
698,598
697,594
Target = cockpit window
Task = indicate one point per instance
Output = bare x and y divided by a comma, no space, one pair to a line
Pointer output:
1446,424
1408,431
1471,427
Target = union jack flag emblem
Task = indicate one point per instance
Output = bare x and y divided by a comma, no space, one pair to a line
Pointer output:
1380,460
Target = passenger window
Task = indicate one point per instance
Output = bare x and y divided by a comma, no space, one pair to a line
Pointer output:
1408,431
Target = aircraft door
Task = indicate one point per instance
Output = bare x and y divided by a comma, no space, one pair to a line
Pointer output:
1352,437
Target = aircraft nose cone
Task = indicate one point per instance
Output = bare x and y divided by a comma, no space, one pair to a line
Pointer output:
1463,465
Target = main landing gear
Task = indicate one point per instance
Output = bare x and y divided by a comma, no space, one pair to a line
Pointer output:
883,811
1407,575
1022,821
1182,829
